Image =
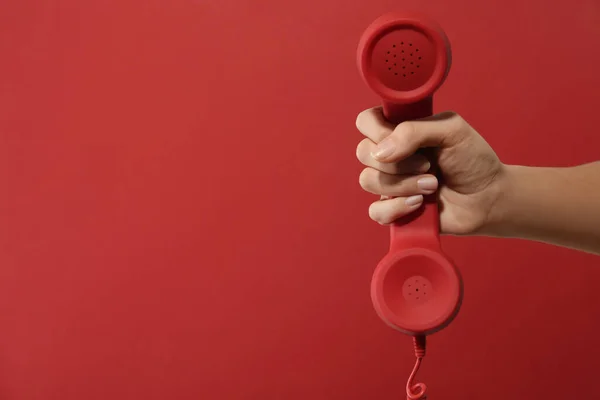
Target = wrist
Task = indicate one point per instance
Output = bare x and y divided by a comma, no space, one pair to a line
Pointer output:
498,220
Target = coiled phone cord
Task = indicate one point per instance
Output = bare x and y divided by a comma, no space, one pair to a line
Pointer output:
416,391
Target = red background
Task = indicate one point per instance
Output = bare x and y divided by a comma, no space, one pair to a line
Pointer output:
181,217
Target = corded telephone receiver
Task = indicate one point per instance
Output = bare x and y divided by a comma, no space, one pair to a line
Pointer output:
416,289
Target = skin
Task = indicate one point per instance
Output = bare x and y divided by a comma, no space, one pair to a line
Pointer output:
478,194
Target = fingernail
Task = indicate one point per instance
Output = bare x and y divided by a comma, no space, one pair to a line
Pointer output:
414,200
383,149
428,183
423,167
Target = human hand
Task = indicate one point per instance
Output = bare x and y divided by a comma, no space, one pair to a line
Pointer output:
468,169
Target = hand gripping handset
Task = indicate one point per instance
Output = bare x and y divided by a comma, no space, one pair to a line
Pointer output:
415,289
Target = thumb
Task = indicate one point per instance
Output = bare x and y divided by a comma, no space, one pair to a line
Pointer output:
440,130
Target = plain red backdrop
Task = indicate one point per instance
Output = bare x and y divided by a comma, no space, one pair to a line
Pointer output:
181,217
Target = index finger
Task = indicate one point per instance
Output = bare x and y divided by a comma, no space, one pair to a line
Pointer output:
372,124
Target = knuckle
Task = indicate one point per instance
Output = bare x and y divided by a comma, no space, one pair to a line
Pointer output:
449,114
367,179
375,213
457,125
386,212
406,132
357,122
406,128
360,119
362,151
457,120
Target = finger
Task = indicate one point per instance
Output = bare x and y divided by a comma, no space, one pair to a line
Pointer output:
441,130
414,164
377,182
388,210
373,124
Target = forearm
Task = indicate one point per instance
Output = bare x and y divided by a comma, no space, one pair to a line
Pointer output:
560,206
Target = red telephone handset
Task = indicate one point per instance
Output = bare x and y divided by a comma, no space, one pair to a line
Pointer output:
416,289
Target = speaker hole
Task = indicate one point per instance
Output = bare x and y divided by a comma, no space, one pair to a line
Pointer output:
410,44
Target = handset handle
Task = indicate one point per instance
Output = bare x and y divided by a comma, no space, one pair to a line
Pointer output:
420,228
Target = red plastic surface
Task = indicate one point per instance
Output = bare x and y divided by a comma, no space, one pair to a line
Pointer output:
180,214
416,288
